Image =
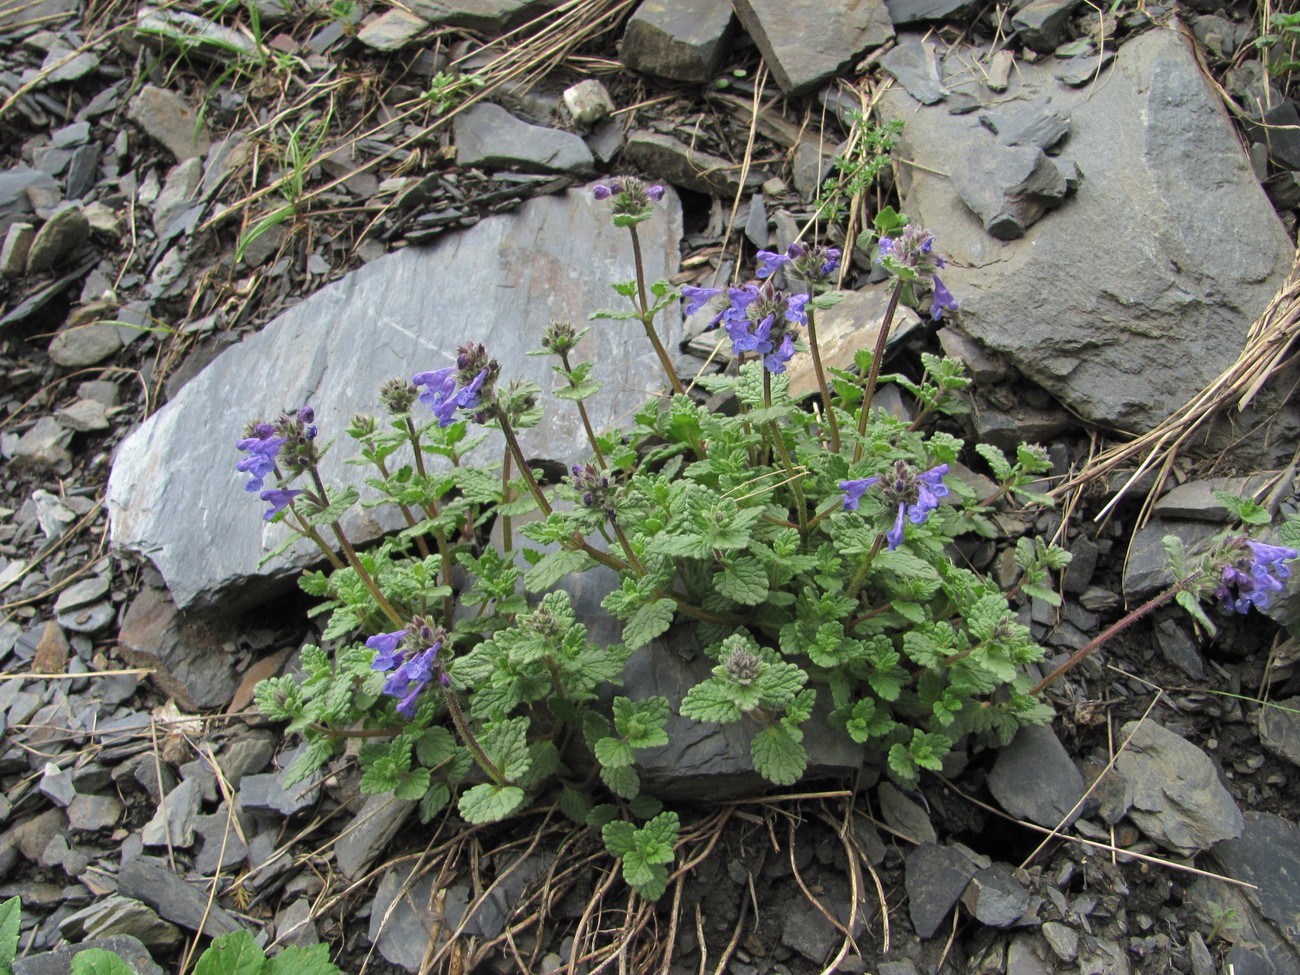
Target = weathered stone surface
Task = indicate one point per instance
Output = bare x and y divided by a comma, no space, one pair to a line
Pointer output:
485,15
59,961
59,238
17,245
44,447
805,42
1165,183
1279,728
677,163
393,30
369,832
935,877
173,823
1042,23
1034,779
116,915
1176,796
1196,500
402,920
89,813
169,118
905,815
1010,187
682,40
396,316
1267,854
903,12
1147,567
16,188
488,135
914,63
996,897
150,880
588,103
189,654
84,345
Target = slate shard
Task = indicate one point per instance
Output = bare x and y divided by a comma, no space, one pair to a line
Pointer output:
807,42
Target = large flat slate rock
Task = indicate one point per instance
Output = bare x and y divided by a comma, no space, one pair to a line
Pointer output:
174,495
807,42
1141,287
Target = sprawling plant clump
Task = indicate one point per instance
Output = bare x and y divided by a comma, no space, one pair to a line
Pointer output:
812,551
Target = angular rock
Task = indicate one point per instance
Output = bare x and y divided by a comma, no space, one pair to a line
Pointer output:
189,654
1042,23
82,593
90,813
116,915
43,447
1034,778
1165,184
935,877
173,823
904,815
1009,188
588,103
1062,939
488,135
1034,123
680,41
903,12
59,238
63,64
1279,728
59,961
808,931
996,897
56,785
395,316
150,880
168,118
675,162
1147,568
17,245
222,846
402,921
1085,69
914,63
84,345
17,187
485,15
177,193
369,832
392,30
805,42
1267,854
1179,647
273,791
294,925
83,416
1196,500
851,325
191,32
1177,798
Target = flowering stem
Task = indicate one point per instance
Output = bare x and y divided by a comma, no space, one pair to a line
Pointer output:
627,548
350,554
779,442
513,443
467,736
582,412
507,534
859,577
1183,585
869,390
431,509
825,388
309,532
407,513
647,319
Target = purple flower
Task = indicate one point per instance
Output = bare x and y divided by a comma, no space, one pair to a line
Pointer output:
886,246
602,191
895,535
655,192
942,300
411,677
467,397
854,490
930,488
697,298
307,415
279,499
794,308
439,393
262,449
387,655
769,262
775,361
1248,580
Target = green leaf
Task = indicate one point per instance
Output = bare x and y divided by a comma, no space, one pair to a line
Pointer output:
622,781
642,722
412,785
235,953
620,837
10,915
555,566
488,803
614,753
648,622
996,460
1245,510
575,804
435,746
710,701
744,580
97,961
1289,533
434,801
901,765
294,960
1193,607
777,756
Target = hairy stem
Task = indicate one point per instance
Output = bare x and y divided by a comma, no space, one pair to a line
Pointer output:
859,577
512,442
801,509
827,403
586,420
470,742
647,319
869,390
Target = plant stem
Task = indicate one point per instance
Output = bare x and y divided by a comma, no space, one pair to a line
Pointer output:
647,320
407,514
827,403
513,444
350,554
627,548
779,443
586,420
869,390
1183,585
309,532
507,523
431,509
467,736
855,584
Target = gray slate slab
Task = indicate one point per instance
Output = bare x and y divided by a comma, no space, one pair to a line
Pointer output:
1034,778
681,40
150,880
500,283
1128,299
1267,854
807,42
488,135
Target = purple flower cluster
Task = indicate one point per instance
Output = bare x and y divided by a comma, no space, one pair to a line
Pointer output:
444,397
1257,571
815,265
409,671
912,252
916,494
632,199
758,320
263,446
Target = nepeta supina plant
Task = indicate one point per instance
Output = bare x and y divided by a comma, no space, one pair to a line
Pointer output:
809,554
